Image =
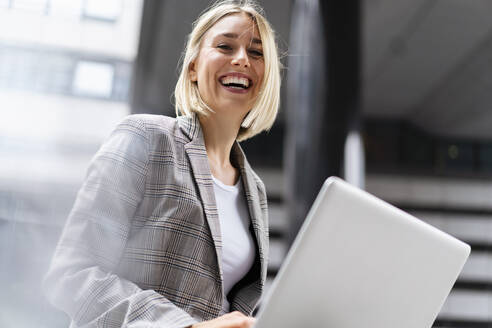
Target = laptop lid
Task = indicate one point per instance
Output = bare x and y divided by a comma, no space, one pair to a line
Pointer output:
357,262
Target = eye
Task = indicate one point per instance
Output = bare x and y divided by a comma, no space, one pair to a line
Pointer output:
256,53
224,46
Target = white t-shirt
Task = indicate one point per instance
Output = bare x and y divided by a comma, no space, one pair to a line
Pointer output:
238,249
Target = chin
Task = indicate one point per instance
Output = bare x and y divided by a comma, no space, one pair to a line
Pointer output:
230,107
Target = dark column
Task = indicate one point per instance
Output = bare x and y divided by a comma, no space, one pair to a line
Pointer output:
323,92
165,25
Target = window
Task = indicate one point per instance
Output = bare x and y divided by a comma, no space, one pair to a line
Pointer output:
107,10
93,79
37,6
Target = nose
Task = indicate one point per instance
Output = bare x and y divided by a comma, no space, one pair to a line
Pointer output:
241,58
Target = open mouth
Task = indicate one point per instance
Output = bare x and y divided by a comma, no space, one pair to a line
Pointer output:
235,82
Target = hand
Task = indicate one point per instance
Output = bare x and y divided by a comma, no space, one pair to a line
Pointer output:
230,320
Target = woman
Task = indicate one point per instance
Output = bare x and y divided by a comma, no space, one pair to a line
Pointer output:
170,227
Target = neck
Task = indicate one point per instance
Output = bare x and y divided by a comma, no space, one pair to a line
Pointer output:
219,133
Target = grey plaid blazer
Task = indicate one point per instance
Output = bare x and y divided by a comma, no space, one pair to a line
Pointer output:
142,244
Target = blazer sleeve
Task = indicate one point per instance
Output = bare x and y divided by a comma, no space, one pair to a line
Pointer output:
81,280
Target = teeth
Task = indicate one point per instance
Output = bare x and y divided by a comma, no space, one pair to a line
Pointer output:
236,80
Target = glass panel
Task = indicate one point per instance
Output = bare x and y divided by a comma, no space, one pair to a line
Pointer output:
93,79
4,4
64,8
39,6
485,158
105,10
456,156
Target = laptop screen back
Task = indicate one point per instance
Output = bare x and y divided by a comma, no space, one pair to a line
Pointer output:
360,262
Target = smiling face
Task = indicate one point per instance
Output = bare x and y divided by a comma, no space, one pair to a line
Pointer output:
229,68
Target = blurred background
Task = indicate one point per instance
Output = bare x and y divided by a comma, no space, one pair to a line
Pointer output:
394,96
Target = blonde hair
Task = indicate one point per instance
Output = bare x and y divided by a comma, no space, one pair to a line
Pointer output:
264,111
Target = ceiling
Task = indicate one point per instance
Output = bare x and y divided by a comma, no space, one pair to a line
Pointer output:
430,62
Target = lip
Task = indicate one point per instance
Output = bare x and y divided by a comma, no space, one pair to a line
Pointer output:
234,90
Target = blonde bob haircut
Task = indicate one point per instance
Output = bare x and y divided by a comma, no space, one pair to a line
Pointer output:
264,111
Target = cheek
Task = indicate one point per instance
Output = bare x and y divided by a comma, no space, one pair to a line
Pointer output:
209,69
260,69
261,76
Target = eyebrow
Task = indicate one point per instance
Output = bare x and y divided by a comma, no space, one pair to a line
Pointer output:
235,36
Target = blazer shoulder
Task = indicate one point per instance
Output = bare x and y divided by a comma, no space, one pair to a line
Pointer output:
150,121
156,127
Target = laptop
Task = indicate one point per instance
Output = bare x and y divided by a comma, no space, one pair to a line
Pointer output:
358,261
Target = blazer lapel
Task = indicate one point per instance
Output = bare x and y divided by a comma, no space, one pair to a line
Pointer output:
253,200
197,154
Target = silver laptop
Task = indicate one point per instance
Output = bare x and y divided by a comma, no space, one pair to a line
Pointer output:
360,262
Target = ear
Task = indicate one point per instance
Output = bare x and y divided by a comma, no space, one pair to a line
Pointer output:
192,72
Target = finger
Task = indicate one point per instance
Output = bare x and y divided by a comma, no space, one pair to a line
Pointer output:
243,322
234,319
250,322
